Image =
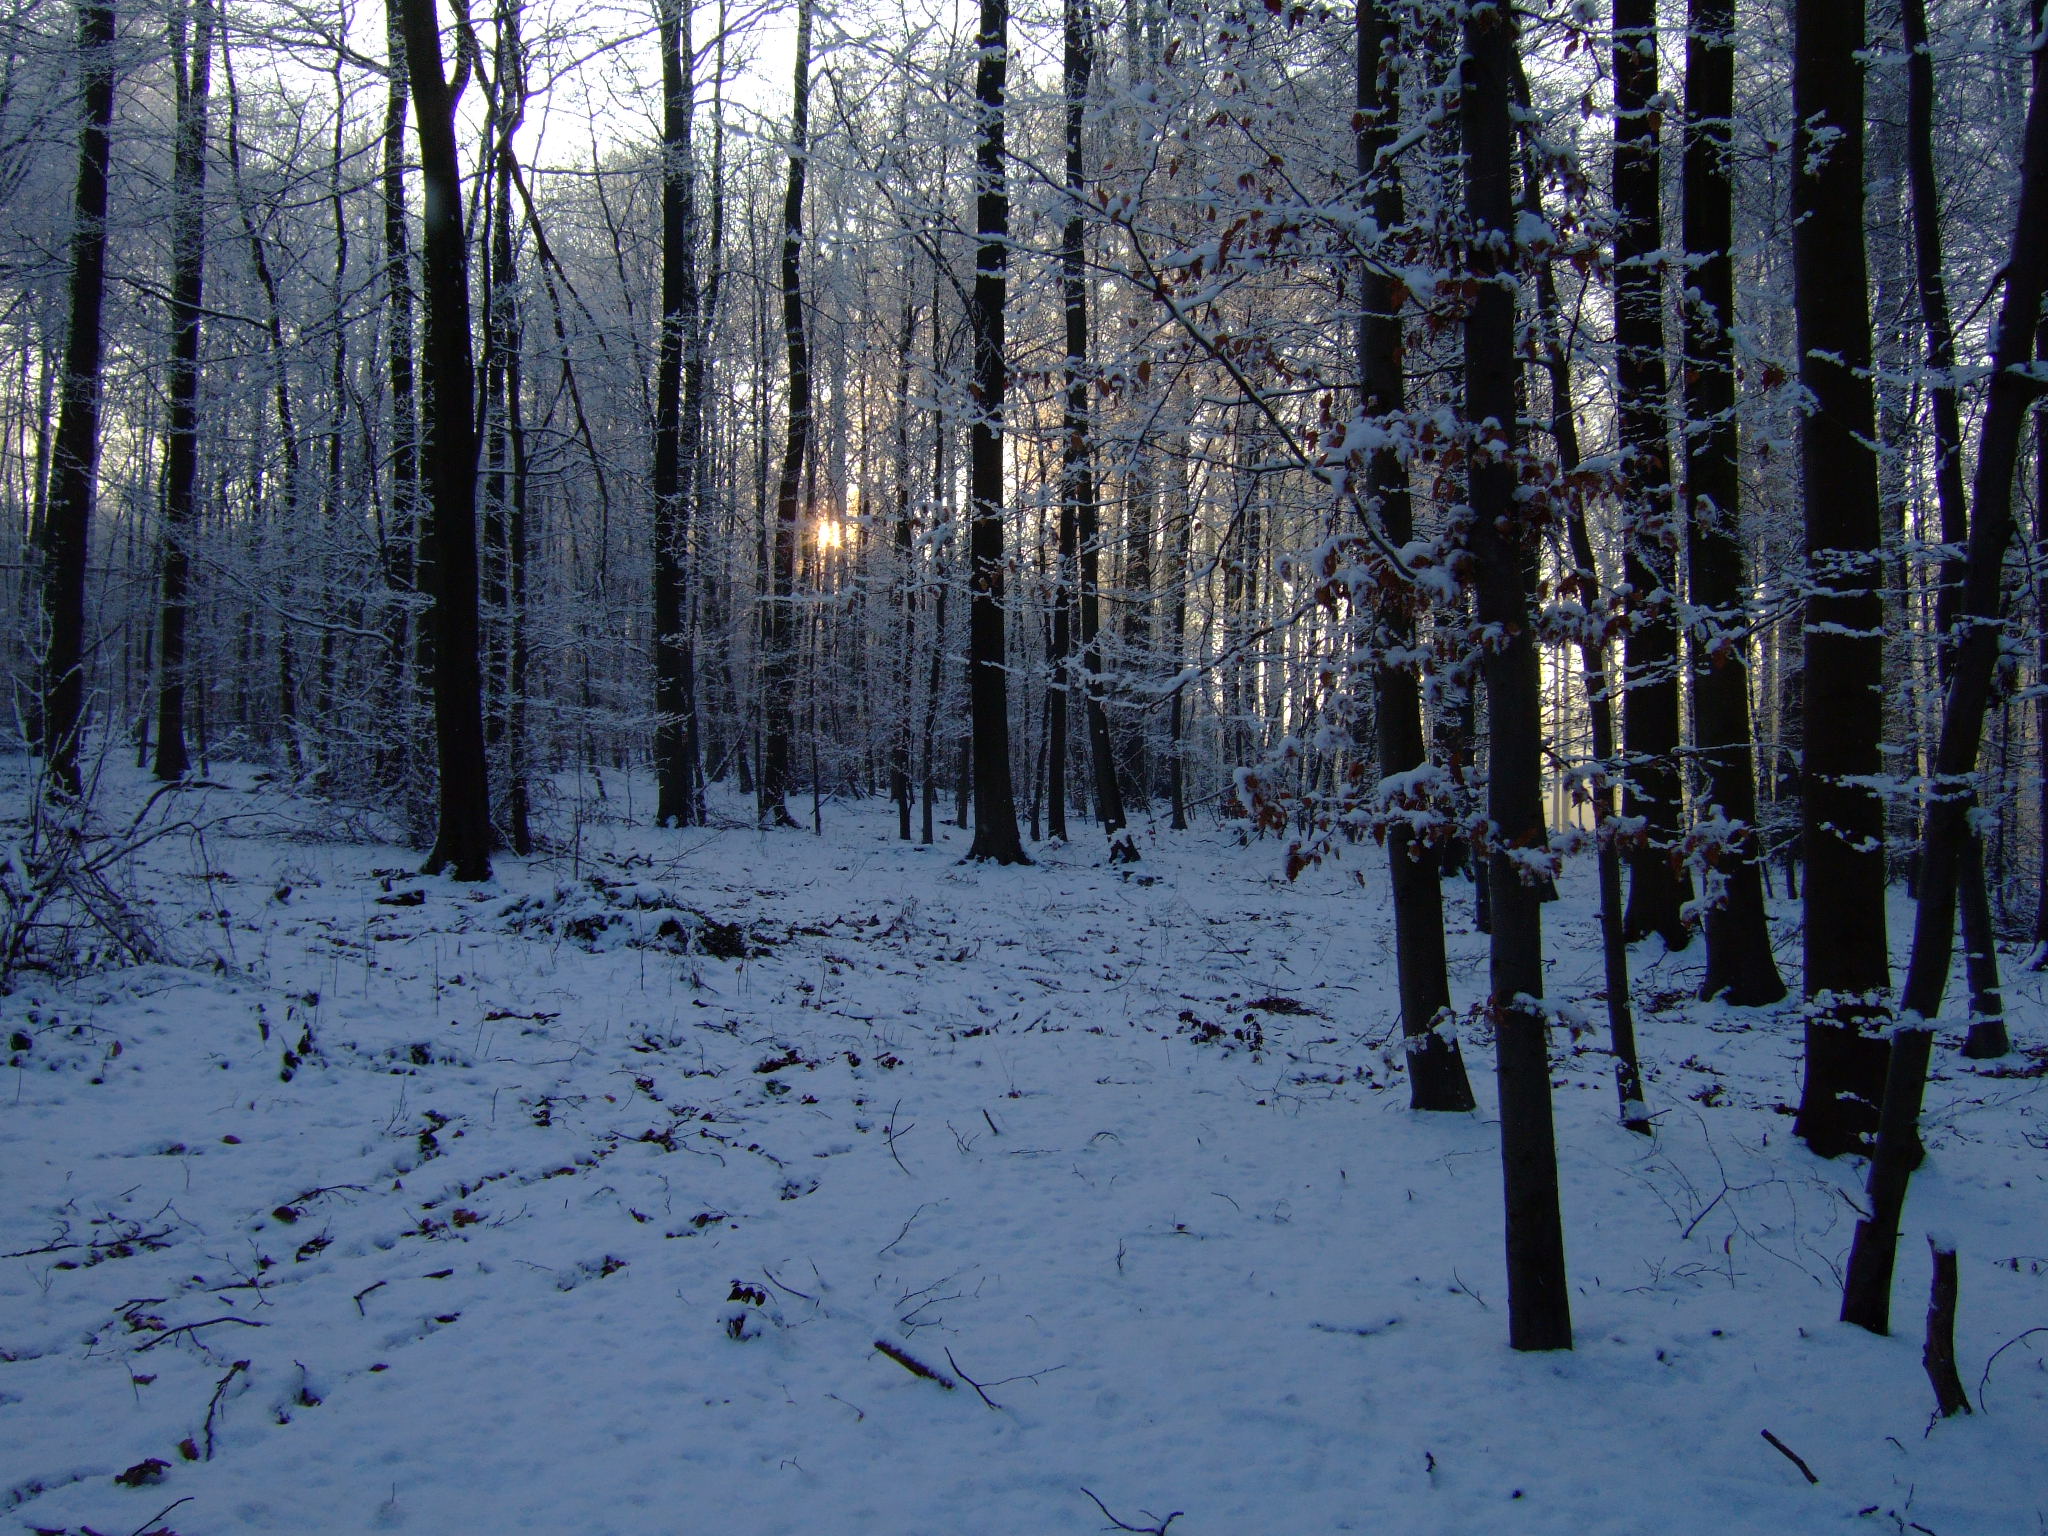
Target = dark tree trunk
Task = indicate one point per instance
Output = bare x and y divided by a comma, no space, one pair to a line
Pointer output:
1740,966
1077,60
1080,510
674,765
193,67
1499,542
988,701
1866,1292
1987,1035
1653,522
1593,663
1842,815
1176,712
778,668
2039,958
401,532
462,839
1436,1068
66,531
901,729
506,504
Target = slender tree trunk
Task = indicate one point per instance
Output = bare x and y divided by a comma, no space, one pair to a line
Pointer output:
1654,523
1866,1291
995,805
401,534
507,505
1539,1303
1077,61
1842,816
287,421
2039,958
900,788
1436,1068
673,491
1584,577
1987,1034
66,532
1740,966
1080,510
778,670
462,839
193,67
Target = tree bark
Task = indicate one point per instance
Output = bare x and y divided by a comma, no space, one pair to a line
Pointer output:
1866,1290
1436,1066
674,737
1501,550
1653,520
66,532
192,65
1080,508
401,532
1987,1035
1593,662
778,668
995,805
1740,966
462,839
506,505
1938,1352
1842,815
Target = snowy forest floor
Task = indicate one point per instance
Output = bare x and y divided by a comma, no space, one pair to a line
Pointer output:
584,1202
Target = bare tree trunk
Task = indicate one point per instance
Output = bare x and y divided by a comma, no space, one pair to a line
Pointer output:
1866,1290
778,669
901,727
1843,822
462,839
1593,664
506,506
1653,521
66,533
1740,965
1080,510
1539,1303
401,532
1987,1034
1436,1067
193,67
287,420
995,805
673,480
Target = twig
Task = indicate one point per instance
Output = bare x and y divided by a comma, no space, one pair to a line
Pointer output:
913,1365
805,1295
991,1119
1460,1285
219,1390
1144,1530
143,1238
172,1333
1704,1210
152,1520
905,1230
374,1285
889,1133
1985,1379
978,1390
1790,1455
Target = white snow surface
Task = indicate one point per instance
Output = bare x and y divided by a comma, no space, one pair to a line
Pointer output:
557,1227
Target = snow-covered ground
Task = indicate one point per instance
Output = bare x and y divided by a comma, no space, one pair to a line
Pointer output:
398,1204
